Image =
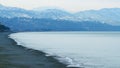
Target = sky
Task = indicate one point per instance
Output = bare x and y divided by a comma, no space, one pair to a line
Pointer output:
69,5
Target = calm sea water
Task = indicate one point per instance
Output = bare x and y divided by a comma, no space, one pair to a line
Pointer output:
76,49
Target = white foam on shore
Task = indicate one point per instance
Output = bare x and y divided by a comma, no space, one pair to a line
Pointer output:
75,49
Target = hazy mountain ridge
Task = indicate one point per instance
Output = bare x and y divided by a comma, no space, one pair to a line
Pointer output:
106,15
10,12
18,19
36,24
53,14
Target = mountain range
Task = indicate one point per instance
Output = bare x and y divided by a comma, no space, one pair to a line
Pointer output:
56,19
106,15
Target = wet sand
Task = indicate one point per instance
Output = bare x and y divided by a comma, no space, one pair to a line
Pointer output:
16,56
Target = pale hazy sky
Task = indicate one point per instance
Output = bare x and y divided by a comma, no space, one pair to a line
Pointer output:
69,5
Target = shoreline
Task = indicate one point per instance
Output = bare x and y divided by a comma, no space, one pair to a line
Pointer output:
18,56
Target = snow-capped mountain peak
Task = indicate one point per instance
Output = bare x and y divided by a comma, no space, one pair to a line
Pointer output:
53,13
106,15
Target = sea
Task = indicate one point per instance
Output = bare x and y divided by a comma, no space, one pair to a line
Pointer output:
75,49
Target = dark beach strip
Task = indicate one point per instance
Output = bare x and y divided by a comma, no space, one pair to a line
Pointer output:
16,56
